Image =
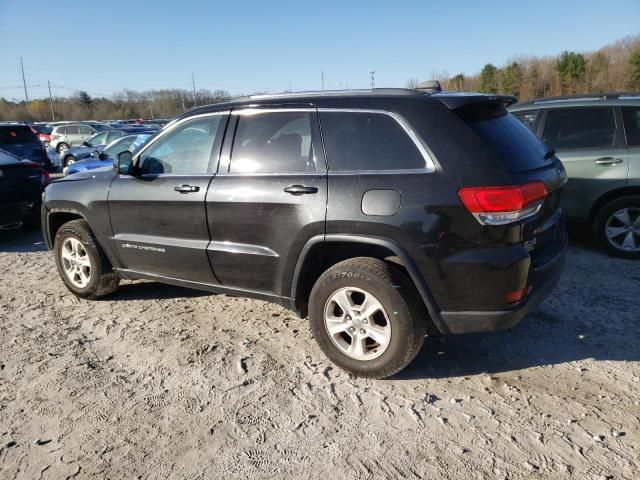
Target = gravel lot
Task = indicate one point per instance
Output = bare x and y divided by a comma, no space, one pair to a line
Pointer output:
163,382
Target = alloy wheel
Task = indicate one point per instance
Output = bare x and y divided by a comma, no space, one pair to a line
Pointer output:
75,262
623,229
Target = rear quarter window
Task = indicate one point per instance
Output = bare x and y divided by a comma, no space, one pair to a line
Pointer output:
516,146
361,141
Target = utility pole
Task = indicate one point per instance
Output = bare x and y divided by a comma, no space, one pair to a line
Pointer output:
322,74
53,115
24,82
193,82
151,107
372,73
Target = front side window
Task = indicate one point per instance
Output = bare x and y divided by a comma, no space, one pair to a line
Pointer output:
572,128
631,119
185,150
84,130
273,142
368,141
98,139
527,117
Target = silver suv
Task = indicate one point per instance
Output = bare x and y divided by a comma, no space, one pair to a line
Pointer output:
69,135
597,138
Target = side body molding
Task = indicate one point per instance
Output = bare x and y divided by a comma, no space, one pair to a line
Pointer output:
410,266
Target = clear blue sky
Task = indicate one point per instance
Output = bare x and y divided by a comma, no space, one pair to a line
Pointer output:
249,46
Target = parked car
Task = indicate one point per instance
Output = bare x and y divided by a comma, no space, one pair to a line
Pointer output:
415,213
105,157
69,135
21,185
19,140
97,126
96,143
43,132
597,138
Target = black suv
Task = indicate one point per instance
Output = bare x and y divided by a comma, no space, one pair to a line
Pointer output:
384,215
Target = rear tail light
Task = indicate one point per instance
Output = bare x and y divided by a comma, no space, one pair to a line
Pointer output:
516,295
503,205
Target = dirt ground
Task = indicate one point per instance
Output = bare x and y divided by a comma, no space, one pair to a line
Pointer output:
161,382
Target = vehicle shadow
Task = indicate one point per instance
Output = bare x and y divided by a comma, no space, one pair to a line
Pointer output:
18,240
148,290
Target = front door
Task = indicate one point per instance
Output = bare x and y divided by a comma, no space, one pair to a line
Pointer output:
268,198
158,215
589,142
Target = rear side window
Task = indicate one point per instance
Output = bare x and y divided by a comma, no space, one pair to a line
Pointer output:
276,142
70,130
527,117
589,127
516,146
356,141
10,135
631,118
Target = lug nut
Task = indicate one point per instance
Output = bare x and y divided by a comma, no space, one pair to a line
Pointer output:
363,331
365,321
352,329
348,317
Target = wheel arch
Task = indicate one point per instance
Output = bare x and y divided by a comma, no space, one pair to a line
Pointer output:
610,196
319,254
55,219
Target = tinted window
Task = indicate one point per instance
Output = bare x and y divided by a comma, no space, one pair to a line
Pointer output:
580,128
184,150
11,135
631,118
70,130
43,129
278,142
367,141
516,146
528,118
86,130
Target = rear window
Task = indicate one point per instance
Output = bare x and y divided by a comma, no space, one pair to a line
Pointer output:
518,148
10,135
43,129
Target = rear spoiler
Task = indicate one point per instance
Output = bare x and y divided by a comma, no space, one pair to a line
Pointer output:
455,101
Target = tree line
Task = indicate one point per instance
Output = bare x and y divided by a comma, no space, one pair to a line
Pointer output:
612,68
127,104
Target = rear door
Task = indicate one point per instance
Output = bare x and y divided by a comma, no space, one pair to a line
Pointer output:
268,198
158,215
588,141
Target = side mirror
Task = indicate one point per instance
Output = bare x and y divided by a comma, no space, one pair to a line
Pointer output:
85,144
123,163
95,154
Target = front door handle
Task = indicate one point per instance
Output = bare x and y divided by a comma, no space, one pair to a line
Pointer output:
608,161
300,190
186,188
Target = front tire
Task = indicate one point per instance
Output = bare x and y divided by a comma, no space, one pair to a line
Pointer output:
61,147
367,317
81,263
617,227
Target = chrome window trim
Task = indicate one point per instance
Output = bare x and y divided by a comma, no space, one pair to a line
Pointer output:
430,164
172,126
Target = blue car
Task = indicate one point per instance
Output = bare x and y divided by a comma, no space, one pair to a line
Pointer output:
108,154
97,142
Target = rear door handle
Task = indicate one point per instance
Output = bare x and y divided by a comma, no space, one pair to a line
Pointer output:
608,161
300,190
186,188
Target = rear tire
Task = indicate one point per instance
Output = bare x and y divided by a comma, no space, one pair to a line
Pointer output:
390,338
81,263
617,227
68,160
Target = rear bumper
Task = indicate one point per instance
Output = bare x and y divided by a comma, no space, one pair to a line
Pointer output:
543,280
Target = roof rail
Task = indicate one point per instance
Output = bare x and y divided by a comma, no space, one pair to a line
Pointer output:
588,97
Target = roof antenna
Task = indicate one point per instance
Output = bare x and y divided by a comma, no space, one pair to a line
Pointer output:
429,86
